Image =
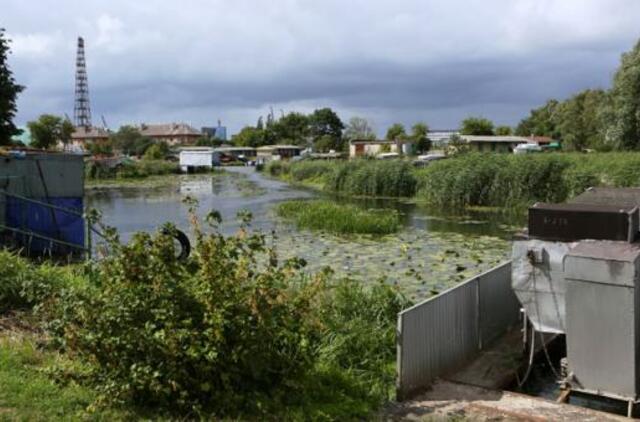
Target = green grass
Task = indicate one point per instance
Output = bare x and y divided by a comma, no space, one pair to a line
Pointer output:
338,218
28,393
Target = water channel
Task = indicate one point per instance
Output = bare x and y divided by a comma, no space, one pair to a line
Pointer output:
433,250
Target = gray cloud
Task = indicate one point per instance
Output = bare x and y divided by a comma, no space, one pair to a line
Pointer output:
408,60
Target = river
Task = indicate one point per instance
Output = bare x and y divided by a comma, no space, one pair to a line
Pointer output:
433,251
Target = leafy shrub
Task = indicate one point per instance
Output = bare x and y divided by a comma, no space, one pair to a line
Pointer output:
339,218
219,331
277,168
24,284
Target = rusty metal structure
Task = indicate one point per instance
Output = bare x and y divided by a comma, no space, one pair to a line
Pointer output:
82,109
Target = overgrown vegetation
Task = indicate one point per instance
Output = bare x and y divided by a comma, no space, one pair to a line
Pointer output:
339,218
378,178
470,179
231,331
129,169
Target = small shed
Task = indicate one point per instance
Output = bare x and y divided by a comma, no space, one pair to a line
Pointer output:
193,158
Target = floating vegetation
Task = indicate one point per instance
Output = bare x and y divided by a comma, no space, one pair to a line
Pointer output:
339,218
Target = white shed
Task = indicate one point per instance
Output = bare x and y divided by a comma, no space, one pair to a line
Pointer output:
192,158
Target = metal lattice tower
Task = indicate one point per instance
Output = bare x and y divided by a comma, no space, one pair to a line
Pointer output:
82,110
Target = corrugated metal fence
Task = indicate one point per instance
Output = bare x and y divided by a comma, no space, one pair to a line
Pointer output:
442,333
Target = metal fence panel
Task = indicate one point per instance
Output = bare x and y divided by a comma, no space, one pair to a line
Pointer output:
441,334
499,306
437,336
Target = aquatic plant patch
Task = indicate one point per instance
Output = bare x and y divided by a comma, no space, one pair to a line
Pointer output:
339,218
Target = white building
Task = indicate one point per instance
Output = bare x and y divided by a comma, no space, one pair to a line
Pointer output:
192,158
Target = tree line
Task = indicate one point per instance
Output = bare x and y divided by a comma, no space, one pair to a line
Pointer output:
592,119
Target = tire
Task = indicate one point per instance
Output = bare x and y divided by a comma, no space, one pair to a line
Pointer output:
185,244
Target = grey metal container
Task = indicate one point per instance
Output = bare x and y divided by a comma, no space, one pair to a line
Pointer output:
603,318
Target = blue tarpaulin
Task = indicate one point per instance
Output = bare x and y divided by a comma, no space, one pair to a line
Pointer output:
49,222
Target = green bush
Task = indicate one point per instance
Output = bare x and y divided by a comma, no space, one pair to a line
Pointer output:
131,169
230,331
338,218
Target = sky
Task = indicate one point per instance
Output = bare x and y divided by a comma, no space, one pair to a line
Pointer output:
197,61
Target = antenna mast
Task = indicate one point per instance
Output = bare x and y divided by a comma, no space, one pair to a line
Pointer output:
82,110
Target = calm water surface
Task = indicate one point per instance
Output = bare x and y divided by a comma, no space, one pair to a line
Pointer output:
432,252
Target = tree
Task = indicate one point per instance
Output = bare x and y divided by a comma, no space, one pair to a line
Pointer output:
359,128
130,141
157,151
504,130
66,131
476,126
396,132
327,143
9,91
249,136
48,130
541,121
293,127
578,120
325,122
624,130
419,135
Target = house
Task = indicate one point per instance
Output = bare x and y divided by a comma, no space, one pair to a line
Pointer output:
83,136
362,148
171,133
492,143
277,152
194,158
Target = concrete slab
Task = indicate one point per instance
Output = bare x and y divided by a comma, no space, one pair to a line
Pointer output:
447,400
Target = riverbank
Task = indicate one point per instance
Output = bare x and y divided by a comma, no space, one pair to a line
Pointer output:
469,180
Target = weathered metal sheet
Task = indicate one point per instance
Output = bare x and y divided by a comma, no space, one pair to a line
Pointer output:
499,306
570,222
602,317
439,335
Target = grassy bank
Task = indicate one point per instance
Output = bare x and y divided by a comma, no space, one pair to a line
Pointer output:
129,169
338,218
232,332
474,179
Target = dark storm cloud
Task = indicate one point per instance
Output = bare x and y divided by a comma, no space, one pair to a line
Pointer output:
436,61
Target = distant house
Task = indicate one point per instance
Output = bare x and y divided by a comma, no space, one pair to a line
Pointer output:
277,152
83,136
171,133
363,148
440,138
492,143
193,158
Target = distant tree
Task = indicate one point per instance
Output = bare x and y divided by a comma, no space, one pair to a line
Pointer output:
130,141
101,148
66,131
9,91
293,127
541,121
419,135
325,122
624,130
504,131
456,145
208,141
48,130
157,151
396,132
249,136
260,124
359,128
578,121
476,126
327,143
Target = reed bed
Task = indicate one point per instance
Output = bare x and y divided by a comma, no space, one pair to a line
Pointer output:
339,218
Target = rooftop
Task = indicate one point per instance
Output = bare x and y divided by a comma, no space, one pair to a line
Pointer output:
82,132
168,129
494,138
272,147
